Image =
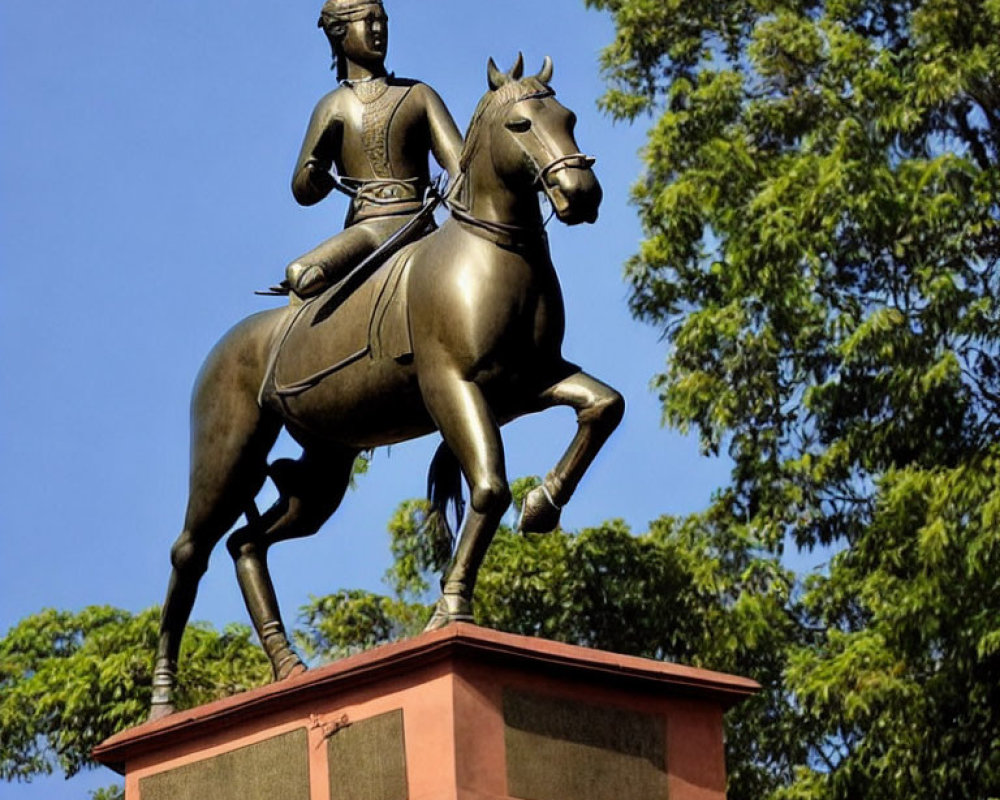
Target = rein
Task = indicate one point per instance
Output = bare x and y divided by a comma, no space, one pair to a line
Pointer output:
351,281
501,233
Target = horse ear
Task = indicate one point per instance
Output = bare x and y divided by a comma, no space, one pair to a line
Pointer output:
494,76
517,71
546,74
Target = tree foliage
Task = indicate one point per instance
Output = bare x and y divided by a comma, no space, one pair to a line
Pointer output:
820,207
70,680
116,792
698,590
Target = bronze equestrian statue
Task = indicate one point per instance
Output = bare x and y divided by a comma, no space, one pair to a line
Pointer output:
460,332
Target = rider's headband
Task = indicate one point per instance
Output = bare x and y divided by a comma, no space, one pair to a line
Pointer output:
334,11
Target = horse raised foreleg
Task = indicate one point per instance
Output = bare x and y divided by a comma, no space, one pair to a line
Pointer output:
599,409
310,491
469,429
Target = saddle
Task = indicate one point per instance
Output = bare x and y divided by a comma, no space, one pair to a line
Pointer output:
323,335
378,284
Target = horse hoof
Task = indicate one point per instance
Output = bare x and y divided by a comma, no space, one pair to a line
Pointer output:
448,609
538,514
296,669
290,667
160,711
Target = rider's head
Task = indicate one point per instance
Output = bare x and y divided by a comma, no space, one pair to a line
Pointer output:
358,31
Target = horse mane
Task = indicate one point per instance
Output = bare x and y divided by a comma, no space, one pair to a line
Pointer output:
490,107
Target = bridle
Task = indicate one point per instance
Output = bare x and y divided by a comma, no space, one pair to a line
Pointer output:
555,163
518,234
569,161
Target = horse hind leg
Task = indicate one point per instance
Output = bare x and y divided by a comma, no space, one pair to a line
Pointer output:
216,501
310,490
231,438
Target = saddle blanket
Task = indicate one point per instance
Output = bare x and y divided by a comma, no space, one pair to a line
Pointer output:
338,328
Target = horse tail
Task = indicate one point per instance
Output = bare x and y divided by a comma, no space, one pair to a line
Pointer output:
444,489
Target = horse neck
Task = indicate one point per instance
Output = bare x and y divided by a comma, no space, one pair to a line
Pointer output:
487,197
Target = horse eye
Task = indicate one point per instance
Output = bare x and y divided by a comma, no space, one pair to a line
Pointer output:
519,125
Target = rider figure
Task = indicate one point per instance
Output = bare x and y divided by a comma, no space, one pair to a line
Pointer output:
376,130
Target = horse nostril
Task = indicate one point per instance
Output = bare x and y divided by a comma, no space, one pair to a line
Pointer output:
576,196
558,198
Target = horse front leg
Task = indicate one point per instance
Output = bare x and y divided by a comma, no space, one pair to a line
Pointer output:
470,430
599,409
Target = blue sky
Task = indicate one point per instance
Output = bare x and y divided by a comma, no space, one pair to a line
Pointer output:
145,157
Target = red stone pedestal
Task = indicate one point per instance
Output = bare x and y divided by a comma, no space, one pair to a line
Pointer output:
463,713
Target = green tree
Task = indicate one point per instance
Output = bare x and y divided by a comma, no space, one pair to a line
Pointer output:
695,590
820,208
70,680
111,793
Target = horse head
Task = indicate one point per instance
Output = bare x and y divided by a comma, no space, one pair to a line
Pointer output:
529,138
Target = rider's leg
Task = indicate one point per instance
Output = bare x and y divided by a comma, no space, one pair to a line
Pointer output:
322,266
599,409
310,491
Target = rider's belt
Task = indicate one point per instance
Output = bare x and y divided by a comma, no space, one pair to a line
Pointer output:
387,198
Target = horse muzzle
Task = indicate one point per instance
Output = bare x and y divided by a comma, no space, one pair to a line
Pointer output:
574,190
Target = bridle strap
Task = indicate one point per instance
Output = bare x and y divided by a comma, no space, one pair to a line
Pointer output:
569,161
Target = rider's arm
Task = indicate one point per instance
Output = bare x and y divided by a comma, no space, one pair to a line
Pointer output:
311,181
445,138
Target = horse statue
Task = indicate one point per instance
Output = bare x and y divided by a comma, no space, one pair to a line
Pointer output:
459,332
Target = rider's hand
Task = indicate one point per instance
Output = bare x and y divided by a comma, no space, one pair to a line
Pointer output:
320,179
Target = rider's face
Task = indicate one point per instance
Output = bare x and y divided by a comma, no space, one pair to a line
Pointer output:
367,39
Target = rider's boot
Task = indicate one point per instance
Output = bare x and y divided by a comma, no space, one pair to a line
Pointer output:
306,280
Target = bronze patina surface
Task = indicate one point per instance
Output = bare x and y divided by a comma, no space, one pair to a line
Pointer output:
460,332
